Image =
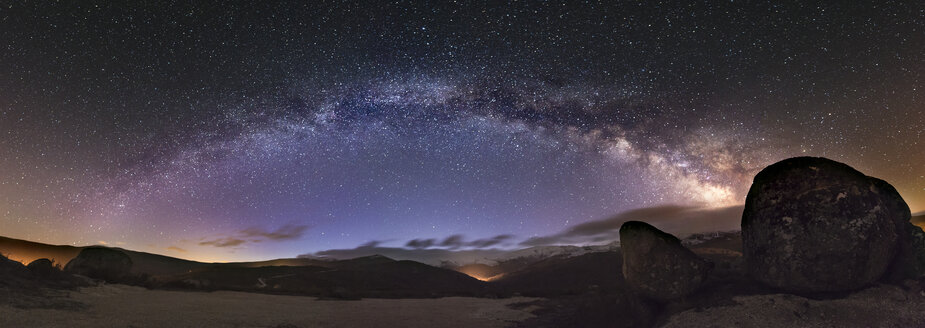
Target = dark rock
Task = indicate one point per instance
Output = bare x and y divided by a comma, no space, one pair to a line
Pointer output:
815,225
656,265
9,269
877,306
910,257
84,280
103,263
42,267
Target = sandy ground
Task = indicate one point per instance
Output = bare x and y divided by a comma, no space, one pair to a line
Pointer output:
125,306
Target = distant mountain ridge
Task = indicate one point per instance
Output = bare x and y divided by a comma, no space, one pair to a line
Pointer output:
160,265
451,257
368,276
372,275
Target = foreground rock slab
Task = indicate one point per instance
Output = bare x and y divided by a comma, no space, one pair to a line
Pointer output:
815,225
880,306
656,265
41,267
101,263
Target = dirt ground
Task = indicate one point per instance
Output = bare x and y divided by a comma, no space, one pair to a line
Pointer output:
125,306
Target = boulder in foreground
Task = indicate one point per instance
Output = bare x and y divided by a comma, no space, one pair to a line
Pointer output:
101,263
42,267
656,265
879,306
815,225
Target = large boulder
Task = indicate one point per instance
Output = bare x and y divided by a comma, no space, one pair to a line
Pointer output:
656,265
104,263
815,225
42,267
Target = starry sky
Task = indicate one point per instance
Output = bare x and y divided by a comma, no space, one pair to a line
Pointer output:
225,131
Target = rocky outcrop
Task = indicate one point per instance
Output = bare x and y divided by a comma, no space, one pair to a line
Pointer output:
879,306
10,271
816,225
42,267
103,263
656,265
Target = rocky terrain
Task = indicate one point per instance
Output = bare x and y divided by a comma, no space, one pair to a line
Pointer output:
821,245
877,306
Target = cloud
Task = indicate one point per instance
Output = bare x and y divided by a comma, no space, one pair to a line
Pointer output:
489,242
372,243
176,249
454,241
457,241
256,235
673,219
420,243
224,242
454,248
286,232
432,256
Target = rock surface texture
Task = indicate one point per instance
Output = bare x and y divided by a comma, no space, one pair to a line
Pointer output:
656,265
42,267
816,225
101,263
879,306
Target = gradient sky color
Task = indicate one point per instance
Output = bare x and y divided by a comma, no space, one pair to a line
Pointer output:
252,130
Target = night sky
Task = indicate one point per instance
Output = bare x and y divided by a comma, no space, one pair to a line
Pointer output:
238,131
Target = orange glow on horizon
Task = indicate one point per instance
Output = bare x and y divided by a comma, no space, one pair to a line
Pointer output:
483,278
478,274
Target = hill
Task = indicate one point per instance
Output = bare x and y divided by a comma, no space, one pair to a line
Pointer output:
144,263
369,276
561,275
27,251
